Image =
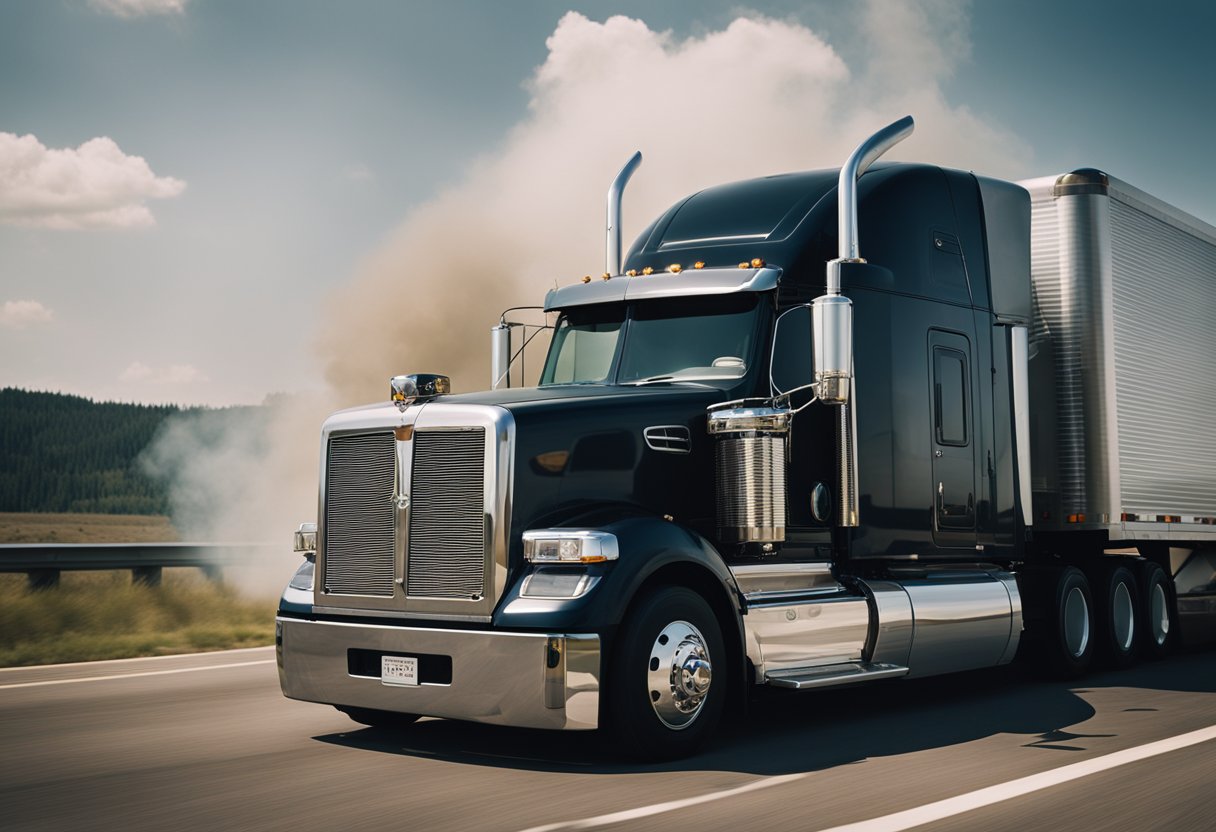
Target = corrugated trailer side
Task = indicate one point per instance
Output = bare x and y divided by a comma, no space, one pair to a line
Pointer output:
1123,362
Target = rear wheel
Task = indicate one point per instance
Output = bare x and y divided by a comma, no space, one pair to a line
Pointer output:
1156,611
1068,636
1118,613
378,719
668,676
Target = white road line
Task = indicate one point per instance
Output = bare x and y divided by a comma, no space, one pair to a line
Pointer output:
4,670
670,806
922,814
133,675
1016,788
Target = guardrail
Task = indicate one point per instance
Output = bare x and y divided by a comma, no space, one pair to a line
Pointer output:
42,562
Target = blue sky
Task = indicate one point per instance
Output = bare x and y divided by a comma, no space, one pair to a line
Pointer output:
302,161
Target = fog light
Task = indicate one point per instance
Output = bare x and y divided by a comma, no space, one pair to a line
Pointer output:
569,546
306,538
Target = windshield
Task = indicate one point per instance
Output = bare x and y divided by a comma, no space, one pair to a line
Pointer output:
676,339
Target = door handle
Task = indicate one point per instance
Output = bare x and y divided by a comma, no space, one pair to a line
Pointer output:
941,498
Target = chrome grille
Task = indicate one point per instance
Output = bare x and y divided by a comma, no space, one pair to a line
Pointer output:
447,536
360,515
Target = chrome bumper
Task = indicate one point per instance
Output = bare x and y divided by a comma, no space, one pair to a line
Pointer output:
528,680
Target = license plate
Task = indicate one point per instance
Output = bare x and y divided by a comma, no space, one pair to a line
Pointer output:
399,670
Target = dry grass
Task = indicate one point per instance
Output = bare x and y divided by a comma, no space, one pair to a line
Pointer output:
102,615
29,527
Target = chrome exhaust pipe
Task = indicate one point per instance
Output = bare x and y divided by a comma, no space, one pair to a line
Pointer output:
833,316
613,260
846,190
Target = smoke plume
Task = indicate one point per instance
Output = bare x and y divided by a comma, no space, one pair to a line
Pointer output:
760,96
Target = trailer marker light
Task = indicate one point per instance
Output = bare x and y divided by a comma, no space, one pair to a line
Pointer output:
675,268
757,263
700,264
606,276
631,273
649,270
745,265
586,278
1076,518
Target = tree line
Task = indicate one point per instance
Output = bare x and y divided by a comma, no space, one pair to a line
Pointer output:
61,452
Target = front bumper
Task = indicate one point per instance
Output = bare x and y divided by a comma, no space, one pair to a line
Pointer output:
528,680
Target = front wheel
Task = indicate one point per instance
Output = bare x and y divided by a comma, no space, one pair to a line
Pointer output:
668,683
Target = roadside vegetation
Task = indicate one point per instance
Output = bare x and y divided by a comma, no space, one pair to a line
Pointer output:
103,615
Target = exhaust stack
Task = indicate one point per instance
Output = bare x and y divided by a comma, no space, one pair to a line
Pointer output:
833,315
613,260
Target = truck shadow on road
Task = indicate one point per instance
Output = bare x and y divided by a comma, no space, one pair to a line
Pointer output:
789,732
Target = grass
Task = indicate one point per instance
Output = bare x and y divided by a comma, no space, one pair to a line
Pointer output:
102,615
32,527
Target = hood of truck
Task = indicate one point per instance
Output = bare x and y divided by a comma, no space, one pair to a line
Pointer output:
583,451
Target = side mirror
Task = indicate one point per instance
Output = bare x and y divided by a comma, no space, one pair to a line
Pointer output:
791,363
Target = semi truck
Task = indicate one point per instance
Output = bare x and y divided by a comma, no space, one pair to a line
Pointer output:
884,421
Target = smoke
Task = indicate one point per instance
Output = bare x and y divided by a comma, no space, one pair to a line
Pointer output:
243,475
760,96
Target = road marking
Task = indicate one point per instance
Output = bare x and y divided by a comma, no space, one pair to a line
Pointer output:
923,814
4,670
670,806
1025,785
133,675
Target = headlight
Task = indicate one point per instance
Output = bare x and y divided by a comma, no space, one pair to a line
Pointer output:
569,546
303,577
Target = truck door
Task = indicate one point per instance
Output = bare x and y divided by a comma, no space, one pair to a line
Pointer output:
953,441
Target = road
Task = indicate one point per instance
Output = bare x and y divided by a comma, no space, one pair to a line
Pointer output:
207,742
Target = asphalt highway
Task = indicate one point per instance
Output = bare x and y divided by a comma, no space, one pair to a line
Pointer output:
208,742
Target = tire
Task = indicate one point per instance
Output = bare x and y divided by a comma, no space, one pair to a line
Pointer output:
1158,630
668,676
1068,642
1117,604
378,719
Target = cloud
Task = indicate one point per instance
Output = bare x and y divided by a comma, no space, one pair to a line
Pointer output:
760,96
174,374
138,8
19,314
95,185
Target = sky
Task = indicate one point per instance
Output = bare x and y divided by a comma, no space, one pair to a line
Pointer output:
210,201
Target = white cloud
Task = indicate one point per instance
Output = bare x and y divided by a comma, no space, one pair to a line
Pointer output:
95,185
758,97
174,374
138,8
19,314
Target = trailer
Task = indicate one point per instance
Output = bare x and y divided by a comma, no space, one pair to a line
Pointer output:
754,457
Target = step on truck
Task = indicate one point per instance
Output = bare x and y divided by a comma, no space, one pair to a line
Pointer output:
816,429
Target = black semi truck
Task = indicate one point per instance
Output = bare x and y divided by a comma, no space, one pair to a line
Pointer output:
757,457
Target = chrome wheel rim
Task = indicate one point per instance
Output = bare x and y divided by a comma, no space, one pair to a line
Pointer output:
1159,614
678,675
1124,623
1076,623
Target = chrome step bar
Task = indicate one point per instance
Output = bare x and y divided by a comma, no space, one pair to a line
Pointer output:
831,675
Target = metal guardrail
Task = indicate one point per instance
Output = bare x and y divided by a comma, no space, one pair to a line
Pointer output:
43,562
